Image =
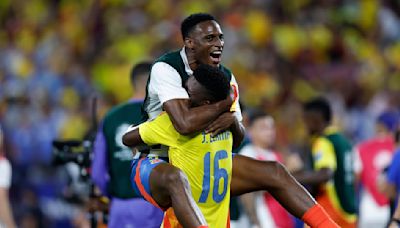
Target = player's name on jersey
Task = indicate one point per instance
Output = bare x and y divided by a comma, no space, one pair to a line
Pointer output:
221,136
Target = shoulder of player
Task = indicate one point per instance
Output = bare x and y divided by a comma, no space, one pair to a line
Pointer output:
247,150
168,55
161,121
4,163
163,117
122,108
165,61
365,144
159,66
322,141
160,70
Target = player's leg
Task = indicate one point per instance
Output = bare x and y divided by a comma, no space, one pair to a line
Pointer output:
170,187
164,186
250,175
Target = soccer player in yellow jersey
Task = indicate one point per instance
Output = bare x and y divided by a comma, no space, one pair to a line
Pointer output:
332,162
203,44
206,160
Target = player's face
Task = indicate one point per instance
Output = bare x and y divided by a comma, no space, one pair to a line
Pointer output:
263,131
207,43
197,93
381,129
313,122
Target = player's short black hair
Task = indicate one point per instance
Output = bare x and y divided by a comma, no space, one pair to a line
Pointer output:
320,105
255,114
192,20
214,81
139,70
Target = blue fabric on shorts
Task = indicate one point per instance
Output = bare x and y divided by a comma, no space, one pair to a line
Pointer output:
147,164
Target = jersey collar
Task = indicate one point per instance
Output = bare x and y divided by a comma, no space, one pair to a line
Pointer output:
330,130
327,131
186,62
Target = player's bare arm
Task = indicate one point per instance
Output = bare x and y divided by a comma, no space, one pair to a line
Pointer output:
187,120
314,178
237,130
132,138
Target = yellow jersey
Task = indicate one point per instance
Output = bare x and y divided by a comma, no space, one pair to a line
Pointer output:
337,196
207,162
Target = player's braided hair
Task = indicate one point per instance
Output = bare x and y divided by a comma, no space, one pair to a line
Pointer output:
214,80
192,20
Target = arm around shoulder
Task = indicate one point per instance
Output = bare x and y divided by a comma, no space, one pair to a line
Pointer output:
238,133
187,120
314,177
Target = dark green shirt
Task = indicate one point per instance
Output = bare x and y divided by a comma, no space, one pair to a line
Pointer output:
119,157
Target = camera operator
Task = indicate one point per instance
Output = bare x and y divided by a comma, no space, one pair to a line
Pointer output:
112,160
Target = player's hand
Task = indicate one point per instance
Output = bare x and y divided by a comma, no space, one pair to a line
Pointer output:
293,162
226,104
98,204
223,122
393,225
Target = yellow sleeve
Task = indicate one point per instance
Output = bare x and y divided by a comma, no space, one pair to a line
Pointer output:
159,131
323,154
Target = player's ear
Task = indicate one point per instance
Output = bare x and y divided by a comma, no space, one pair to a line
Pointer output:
189,42
206,102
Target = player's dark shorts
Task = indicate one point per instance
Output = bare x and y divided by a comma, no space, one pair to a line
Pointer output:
140,177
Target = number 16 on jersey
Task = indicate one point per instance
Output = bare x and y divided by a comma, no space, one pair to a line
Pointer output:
218,174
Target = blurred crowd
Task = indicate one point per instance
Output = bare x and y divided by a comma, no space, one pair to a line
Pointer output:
56,55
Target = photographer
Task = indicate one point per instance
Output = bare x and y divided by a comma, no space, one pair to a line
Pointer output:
112,160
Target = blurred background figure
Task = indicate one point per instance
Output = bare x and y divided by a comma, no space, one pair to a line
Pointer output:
111,165
373,156
262,209
332,162
6,215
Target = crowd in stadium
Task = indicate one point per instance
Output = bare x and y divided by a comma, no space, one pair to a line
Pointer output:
55,55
